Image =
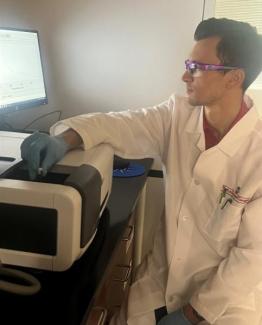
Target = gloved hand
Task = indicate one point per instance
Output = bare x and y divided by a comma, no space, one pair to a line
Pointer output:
40,150
175,318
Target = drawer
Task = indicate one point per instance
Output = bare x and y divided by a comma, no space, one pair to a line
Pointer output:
97,316
119,284
112,311
128,234
125,251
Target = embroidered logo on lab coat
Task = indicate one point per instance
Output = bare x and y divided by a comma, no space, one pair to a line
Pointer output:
229,195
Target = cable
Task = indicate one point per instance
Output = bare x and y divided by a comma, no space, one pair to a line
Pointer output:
203,12
32,284
5,126
42,116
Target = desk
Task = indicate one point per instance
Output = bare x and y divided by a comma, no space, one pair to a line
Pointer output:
66,297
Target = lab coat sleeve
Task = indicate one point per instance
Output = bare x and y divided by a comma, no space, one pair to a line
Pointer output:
133,133
239,275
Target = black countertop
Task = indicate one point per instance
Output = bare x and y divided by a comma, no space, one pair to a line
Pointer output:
65,296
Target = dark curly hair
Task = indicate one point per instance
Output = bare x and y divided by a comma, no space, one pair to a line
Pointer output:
240,45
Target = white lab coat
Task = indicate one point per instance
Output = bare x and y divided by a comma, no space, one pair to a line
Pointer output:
205,255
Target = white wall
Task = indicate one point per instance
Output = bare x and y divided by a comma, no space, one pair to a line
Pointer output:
102,55
120,54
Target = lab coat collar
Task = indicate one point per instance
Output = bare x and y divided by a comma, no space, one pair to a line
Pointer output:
234,138
194,127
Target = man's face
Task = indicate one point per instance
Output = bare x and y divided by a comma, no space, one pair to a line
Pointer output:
205,87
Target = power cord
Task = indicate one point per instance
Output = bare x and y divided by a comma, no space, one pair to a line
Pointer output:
42,116
4,125
31,287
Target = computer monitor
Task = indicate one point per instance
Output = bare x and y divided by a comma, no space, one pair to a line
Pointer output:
22,83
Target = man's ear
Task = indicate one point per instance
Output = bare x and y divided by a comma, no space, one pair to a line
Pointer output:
235,78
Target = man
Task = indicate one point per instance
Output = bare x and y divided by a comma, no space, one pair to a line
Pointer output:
206,263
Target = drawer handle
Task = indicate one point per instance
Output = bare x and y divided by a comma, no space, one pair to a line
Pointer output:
128,236
127,273
97,316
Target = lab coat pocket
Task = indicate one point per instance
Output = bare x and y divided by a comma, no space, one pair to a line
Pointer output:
223,223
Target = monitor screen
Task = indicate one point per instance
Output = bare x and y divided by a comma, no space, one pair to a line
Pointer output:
22,82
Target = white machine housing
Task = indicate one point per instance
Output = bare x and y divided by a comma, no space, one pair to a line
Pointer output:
64,201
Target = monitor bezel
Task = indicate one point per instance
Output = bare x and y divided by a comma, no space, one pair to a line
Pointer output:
34,103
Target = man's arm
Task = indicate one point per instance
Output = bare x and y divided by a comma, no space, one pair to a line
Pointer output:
71,138
132,134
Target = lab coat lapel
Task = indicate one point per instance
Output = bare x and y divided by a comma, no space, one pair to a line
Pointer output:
194,128
232,141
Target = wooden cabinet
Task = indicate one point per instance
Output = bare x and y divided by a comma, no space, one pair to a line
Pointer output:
98,316
116,280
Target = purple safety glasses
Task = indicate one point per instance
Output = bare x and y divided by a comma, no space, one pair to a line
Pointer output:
193,66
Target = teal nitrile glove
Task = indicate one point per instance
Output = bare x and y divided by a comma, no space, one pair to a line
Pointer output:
175,318
40,150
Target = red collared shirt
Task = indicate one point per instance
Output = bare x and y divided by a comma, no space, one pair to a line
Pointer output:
212,136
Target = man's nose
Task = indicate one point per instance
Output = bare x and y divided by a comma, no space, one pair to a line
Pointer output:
186,77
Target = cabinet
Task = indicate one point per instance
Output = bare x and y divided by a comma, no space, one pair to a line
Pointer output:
116,280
